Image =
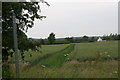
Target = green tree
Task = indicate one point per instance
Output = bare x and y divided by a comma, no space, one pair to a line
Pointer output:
92,39
70,39
51,38
85,38
26,13
42,42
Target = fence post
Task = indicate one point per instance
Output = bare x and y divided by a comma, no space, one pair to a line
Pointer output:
15,44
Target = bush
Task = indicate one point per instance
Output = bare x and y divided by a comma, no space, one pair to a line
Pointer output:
6,73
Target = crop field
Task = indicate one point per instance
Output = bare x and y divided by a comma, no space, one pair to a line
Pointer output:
75,60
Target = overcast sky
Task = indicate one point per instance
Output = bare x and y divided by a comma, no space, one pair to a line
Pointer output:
76,18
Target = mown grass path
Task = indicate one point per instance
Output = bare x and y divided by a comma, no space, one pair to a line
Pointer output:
55,59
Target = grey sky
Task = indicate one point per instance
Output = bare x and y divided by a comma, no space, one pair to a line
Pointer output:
77,18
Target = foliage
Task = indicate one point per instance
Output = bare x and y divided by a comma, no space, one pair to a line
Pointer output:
70,39
42,42
92,39
6,72
51,38
111,37
82,39
85,38
26,13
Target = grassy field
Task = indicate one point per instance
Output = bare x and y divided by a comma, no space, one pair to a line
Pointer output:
44,50
91,51
76,60
74,69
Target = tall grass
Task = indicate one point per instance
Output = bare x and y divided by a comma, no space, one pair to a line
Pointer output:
89,51
106,69
55,59
79,60
45,49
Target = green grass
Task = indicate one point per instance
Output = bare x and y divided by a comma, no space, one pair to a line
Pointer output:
106,69
81,61
55,59
84,51
45,50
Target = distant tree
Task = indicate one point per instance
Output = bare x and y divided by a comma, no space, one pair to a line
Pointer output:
77,40
118,36
92,39
42,42
85,38
70,39
111,37
104,37
51,38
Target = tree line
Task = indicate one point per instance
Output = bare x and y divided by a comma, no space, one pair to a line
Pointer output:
52,40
